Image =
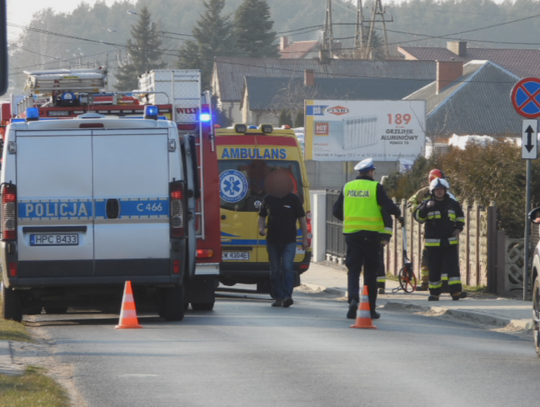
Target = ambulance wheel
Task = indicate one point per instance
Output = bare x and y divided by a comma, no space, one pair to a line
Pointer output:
536,314
202,306
12,307
55,310
173,303
264,287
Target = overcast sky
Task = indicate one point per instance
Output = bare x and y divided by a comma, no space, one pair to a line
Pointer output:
20,11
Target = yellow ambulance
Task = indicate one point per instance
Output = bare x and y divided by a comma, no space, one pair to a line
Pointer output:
246,155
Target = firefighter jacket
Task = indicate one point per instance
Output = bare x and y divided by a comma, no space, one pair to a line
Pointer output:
423,194
441,220
354,213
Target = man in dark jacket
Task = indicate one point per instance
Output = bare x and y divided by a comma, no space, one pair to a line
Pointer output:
444,221
359,206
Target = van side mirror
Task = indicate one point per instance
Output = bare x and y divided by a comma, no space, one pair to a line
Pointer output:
3,48
534,216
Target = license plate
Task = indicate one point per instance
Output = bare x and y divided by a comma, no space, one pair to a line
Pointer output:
55,240
235,256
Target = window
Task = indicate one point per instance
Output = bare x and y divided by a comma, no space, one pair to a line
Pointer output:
242,182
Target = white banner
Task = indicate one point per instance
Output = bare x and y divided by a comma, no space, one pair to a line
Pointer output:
385,130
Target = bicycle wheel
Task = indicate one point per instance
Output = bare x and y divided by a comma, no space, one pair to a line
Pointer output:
407,279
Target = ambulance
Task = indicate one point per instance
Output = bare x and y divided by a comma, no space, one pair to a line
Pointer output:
97,194
246,155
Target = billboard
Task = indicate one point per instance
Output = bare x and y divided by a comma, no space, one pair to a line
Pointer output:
386,130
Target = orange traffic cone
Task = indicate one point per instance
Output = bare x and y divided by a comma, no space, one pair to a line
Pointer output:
363,316
128,314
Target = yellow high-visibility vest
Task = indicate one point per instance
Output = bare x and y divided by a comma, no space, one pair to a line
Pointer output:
360,208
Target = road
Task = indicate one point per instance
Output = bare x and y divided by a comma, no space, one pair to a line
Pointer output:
246,353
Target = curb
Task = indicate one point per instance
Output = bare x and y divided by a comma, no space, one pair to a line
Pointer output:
7,366
470,315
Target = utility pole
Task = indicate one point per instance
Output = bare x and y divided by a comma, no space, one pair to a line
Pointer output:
359,34
378,10
328,36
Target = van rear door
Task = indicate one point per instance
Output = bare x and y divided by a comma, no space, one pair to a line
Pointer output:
131,192
55,210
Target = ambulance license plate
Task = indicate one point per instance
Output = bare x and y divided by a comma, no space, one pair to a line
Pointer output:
235,256
55,240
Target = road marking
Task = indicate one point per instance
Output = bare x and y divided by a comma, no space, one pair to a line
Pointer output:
138,375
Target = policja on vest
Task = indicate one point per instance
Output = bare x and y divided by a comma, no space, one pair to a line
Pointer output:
359,206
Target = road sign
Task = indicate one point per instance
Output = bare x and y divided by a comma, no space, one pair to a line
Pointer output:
529,140
526,97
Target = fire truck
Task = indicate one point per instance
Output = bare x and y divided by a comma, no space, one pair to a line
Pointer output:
100,188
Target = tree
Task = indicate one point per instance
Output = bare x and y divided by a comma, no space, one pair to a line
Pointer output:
299,120
253,29
213,37
285,118
143,52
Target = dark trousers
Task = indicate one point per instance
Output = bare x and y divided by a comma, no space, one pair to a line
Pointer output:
381,270
362,251
444,259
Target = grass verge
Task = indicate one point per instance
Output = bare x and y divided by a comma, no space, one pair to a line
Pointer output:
13,331
32,388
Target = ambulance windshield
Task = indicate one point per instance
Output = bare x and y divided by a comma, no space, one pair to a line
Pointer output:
242,182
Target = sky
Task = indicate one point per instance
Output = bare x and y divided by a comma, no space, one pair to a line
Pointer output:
20,11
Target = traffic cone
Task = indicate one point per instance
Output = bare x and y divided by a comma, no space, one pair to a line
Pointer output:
128,313
363,316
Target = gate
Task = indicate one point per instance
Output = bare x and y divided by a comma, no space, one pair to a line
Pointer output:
335,240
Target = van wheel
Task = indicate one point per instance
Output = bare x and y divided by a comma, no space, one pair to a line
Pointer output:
12,308
202,306
55,310
173,303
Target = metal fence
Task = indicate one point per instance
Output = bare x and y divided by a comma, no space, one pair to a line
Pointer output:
335,240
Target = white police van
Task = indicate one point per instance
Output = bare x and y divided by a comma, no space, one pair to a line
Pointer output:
89,203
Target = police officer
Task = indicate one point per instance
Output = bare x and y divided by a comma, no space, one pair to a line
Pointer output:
359,206
444,221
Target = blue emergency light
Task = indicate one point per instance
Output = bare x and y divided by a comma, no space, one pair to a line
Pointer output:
151,112
32,114
205,117
252,127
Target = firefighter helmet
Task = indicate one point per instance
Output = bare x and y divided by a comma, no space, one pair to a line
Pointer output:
434,174
439,183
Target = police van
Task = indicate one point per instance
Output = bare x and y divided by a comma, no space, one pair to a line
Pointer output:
92,201
246,155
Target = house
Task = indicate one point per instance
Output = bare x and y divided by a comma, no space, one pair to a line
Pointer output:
298,49
470,99
264,98
229,74
521,62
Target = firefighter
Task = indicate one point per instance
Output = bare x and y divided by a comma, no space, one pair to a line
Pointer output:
386,235
444,221
414,201
359,206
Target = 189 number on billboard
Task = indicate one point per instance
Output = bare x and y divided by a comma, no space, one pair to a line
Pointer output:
399,118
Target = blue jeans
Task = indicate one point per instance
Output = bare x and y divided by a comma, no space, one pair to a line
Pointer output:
281,258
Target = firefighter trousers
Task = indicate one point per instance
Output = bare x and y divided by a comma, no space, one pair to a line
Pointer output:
444,259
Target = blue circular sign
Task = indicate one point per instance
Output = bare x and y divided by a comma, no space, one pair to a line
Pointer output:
233,186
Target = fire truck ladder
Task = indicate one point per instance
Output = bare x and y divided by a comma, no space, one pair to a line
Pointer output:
207,99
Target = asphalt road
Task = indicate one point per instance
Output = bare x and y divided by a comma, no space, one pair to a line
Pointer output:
246,353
